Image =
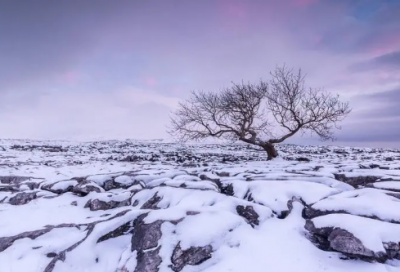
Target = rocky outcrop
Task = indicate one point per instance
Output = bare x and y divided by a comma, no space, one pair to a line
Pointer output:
345,242
96,204
191,256
22,198
86,187
186,211
145,239
13,179
152,202
249,214
121,230
356,181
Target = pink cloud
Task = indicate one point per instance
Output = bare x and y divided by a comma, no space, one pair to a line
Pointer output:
71,77
233,15
303,3
235,10
178,91
150,81
317,39
387,45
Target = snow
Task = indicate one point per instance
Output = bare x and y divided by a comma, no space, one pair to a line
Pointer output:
276,193
62,185
195,190
387,185
291,251
30,259
119,196
193,231
18,219
364,202
99,179
125,180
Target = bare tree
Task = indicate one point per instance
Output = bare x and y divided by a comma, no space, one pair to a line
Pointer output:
241,112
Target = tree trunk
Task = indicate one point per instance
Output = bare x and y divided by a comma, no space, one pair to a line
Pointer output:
271,151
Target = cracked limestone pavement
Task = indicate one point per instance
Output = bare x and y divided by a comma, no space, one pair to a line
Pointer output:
155,207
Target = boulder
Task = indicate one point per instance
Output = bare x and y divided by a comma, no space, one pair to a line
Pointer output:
96,204
191,256
86,187
334,237
145,242
22,198
248,213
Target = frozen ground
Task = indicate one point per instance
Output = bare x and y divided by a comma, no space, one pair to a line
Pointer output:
155,206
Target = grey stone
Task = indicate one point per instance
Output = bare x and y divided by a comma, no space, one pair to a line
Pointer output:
148,261
122,230
248,213
49,187
191,256
152,202
392,250
144,241
356,181
13,179
85,188
22,198
97,205
343,241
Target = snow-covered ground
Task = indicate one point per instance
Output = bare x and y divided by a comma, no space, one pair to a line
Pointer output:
158,206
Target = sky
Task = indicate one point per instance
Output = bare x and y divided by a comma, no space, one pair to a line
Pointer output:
82,70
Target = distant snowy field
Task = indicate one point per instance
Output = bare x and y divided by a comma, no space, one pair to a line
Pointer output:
131,206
